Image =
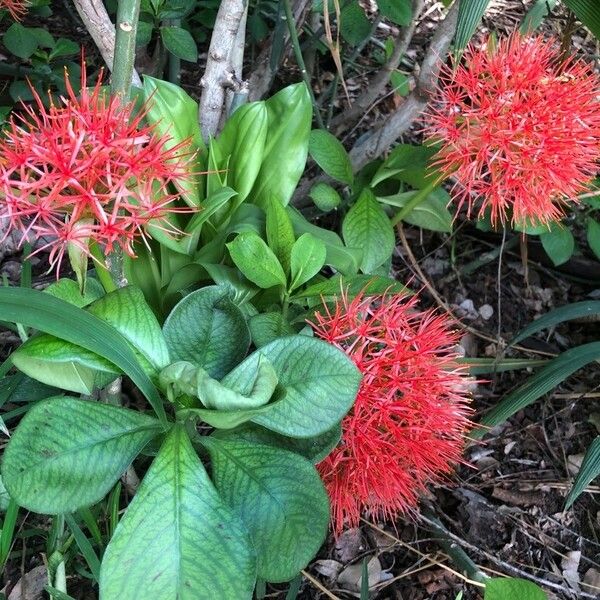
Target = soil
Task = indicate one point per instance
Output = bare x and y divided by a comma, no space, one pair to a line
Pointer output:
505,507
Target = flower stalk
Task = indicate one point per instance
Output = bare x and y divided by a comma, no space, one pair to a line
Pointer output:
128,13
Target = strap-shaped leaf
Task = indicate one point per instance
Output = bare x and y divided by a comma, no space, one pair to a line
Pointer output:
65,321
66,453
178,538
587,12
547,378
280,498
589,470
469,15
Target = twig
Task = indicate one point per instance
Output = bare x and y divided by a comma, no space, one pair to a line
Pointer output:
319,585
380,81
218,74
97,22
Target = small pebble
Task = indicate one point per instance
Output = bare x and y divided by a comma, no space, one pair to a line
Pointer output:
486,312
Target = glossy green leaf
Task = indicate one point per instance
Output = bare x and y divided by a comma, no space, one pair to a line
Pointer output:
59,318
178,538
589,470
286,147
409,164
355,26
432,213
280,232
469,16
19,388
266,327
509,588
67,453
352,285
179,42
214,203
328,152
256,260
209,330
531,228
544,380
4,497
271,489
366,226
325,197
558,243
575,310
587,12
308,258
397,11
20,41
68,290
317,385
593,236
535,15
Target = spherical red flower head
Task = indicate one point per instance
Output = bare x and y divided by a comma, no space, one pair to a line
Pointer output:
88,170
16,8
407,426
519,128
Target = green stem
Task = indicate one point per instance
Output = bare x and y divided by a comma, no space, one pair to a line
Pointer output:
415,201
102,272
128,13
174,62
289,17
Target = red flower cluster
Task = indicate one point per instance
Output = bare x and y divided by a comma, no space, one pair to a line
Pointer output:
87,169
519,127
16,8
408,423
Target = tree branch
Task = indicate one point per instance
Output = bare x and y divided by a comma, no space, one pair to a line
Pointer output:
97,22
219,70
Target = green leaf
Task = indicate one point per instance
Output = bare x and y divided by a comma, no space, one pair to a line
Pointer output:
256,260
143,34
328,152
536,14
587,12
575,310
469,15
66,453
558,243
286,146
317,385
593,236
400,83
355,27
352,285
325,197
314,449
531,228
209,330
64,47
20,41
68,290
271,489
509,588
589,470
544,380
366,226
397,11
4,497
409,164
308,257
179,42
36,309
216,201
280,232
44,38
432,213
266,327
178,538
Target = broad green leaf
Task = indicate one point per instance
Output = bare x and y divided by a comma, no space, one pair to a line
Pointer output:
352,285
397,11
317,385
432,213
256,260
575,310
366,226
544,380
328,152
308,257
509,588
355,27
20,41
531,228
242,291
587,12
314,449
19,388
179,42
535,15
4,497
469,15
400,83
63,365
325,197
59,318
558,243
593,236
589,470
68,290
286,147
280,232
209,207
266,327
280,498
178,538
66,453
409,164
209,330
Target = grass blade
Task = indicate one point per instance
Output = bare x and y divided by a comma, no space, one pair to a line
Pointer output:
590,469
84,545
469,15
